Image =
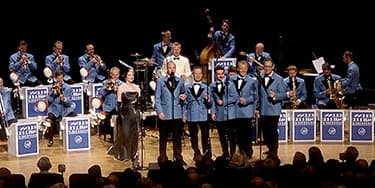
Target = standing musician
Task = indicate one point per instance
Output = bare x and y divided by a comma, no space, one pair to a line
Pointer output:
169,99
351,82
59,61
59,104
297,90
108,94
196,107
162,49
222,110
273,92
182,63
91,65
6,111
246,94
224,40
324,89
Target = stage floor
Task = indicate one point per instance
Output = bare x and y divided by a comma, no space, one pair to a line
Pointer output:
80,161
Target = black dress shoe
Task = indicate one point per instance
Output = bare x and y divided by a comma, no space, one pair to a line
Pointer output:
50,143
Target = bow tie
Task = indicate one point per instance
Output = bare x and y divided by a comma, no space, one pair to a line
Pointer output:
267,75
196,84
165,45
239,78
219,82
176,58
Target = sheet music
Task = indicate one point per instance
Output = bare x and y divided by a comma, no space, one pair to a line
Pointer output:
318,64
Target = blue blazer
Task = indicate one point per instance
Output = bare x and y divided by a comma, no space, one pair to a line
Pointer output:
55,67
196,106
272,106
58,107
109,96
351,82
300,87
249,91
6,94
227,46
158,55
320,86
93,68
167,100
227,110
23,73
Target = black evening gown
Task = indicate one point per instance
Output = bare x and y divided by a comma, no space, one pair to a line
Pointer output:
126,142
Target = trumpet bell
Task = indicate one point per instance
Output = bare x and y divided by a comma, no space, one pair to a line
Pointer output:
48,72
96,102
14,77
84,72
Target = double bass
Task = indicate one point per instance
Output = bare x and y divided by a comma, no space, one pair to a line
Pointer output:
209,52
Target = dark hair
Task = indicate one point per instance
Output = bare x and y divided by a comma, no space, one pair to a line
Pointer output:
326,66
219,68
59,72
44,164
232,68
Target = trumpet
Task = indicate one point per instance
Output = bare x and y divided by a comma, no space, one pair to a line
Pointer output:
96,59
24,60
56,89
59,60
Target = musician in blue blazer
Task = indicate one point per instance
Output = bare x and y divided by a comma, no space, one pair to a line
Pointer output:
59,104
23,64
7,116
297,90
324,88
196,107
108,94
162,49
222,109
273,91
59,61
351,82
169,99
246,93
93,64
259,56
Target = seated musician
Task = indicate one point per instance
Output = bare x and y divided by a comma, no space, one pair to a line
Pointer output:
6,111
297,90
59,104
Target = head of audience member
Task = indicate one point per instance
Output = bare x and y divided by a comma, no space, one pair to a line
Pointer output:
351,154
44,164
95,171
315,157
299,159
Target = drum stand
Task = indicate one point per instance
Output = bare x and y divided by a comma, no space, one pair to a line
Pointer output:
141,139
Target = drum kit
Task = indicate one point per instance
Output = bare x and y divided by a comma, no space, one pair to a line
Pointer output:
142,76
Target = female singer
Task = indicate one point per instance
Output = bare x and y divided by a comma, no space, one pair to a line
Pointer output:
126,142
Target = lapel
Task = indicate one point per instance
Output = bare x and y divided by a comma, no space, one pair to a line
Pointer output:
241,86
200,90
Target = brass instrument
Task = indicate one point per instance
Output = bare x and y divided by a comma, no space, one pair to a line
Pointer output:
56,89
25,61
97,59
59,60
294,98
110,85
337,94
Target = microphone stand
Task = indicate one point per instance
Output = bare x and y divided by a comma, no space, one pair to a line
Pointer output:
259,77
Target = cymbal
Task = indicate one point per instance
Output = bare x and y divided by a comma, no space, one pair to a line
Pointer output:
136,55
148,61
242,53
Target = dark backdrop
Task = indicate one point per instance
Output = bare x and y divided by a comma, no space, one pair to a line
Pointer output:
291,33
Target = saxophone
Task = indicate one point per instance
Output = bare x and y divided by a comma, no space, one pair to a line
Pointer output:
338,95
293,98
